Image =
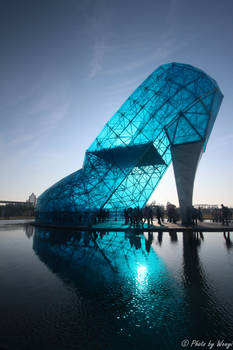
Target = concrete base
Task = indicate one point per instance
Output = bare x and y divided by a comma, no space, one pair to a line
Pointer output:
185,160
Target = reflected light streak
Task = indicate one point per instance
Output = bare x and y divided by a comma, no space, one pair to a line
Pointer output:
142,277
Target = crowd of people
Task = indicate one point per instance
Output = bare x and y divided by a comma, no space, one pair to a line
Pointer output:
172,213
102,215
156,214
223,215
194,215
137,217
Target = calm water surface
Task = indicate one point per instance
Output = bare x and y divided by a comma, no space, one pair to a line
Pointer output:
78,290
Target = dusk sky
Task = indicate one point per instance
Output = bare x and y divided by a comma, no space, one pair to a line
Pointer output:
66,67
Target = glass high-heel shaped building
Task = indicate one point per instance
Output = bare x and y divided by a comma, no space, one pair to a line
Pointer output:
168,118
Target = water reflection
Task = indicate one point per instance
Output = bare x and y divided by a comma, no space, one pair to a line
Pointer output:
123,275
204,309
29,230
160,238
173,236
118,252
149,241
227,237
133,297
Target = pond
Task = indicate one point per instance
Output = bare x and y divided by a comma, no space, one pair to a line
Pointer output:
114,290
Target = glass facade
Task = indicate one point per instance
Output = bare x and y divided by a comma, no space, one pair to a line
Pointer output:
176,104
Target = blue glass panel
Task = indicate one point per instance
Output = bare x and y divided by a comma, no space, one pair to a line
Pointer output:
185,132
176,104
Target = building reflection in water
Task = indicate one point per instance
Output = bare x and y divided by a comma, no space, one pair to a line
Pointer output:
29,230
103,251
129,283
130,288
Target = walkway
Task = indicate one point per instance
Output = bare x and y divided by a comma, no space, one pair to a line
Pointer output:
166,227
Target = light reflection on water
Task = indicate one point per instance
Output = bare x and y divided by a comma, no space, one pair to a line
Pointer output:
109,290
141,277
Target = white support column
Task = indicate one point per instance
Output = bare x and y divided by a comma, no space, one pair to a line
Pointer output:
185,158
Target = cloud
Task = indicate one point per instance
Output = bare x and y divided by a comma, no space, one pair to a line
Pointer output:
156,55
22,139
56,114
99,51
99,28
126,84
40,117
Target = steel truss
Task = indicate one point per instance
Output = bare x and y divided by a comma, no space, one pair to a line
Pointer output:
176,104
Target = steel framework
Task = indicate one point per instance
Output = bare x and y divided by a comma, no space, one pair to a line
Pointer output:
176,105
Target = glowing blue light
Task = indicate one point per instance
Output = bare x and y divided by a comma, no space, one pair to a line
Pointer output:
141,271
176,104
142,277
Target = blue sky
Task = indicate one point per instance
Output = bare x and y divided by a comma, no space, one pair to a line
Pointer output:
66,66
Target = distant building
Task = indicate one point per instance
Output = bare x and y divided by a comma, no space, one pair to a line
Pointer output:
206,206
32,199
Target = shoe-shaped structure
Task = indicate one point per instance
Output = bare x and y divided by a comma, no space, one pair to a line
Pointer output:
169,117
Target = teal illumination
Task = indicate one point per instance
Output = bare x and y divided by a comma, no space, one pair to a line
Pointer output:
176,104
142,277
115,272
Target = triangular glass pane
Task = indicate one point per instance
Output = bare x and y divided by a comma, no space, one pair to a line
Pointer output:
199,121
185,133
208,100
